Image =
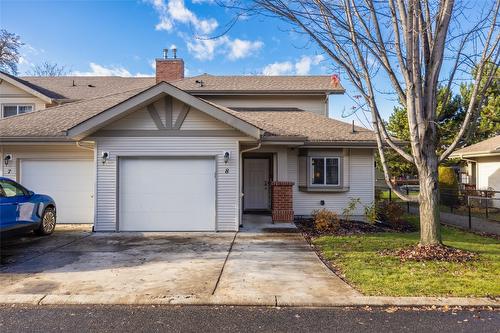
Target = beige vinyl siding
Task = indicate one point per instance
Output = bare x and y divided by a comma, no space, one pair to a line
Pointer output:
488,175
40,152
10,94
197,120
358,176
227,184
316,104
139,120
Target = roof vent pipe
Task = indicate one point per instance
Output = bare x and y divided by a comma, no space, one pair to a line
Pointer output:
353,129
165,53
174,50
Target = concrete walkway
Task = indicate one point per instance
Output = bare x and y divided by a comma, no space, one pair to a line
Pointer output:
280,265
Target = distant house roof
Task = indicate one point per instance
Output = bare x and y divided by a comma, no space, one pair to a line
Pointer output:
212,84
72,88
297,124
487,147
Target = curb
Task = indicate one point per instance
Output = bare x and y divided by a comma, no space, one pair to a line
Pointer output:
246,300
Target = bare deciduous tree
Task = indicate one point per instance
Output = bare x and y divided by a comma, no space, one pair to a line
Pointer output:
48,69
407,42
9,51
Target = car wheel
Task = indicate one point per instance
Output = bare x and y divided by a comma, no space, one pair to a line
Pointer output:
48,223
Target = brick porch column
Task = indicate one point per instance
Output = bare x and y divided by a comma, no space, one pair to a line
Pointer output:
282,201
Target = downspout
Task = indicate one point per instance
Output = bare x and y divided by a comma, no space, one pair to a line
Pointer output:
259,144
92,148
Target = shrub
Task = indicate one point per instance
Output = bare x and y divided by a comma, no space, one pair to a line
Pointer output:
448,186
390,213
371,213
325,220
349,209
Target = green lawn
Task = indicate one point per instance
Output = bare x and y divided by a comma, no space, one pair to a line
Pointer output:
372,274
385,195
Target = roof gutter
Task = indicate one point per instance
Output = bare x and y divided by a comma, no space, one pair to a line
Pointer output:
89,145
264,92
36,140
479,154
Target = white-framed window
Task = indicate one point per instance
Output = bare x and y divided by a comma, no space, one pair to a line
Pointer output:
9,110
324,171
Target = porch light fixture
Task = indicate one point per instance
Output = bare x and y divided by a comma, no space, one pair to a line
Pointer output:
226,157
6,159
104,157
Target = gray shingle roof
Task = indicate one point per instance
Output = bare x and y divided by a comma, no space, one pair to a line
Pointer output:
488,146
257,83
55,121
85,87
300,123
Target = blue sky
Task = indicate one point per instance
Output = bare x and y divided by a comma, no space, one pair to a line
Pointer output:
124,37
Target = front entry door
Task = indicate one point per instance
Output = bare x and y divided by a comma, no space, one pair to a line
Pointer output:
256,183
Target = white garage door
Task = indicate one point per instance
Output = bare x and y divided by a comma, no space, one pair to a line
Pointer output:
69,182
167,194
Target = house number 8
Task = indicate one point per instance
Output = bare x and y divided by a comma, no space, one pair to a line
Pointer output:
226,171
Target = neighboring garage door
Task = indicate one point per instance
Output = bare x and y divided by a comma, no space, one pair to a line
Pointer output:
69,182
167,194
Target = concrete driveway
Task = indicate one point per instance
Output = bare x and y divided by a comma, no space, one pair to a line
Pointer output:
240,268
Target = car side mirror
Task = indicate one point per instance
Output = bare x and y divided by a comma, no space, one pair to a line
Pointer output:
31,193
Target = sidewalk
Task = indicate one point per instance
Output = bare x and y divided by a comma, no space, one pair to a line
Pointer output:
247,300
462,222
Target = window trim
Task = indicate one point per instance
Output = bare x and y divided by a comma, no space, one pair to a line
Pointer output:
17,105
324,185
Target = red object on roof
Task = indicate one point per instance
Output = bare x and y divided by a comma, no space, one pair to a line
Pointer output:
335,81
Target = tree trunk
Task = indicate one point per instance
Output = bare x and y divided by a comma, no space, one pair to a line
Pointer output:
430,233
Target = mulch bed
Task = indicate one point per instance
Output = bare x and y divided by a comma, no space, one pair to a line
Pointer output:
431,252
348,228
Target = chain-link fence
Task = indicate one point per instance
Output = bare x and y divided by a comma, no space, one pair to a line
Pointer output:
461,206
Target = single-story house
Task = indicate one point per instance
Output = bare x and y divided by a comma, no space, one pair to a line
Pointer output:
170,153
482,165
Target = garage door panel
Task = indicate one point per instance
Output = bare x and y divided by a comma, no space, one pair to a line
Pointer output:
69,182
165,194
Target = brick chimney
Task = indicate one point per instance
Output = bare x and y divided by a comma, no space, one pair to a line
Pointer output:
169,69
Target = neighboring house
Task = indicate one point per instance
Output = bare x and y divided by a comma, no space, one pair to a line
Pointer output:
482,167
175,153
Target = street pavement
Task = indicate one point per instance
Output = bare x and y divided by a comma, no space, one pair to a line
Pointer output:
128,318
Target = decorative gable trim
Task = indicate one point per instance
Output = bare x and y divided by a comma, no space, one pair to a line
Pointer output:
147,97
156,117
182,116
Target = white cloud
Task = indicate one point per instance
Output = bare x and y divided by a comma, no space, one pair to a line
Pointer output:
99,70
172,12
175,11
278,68
239,48
303,66
300,67
205,49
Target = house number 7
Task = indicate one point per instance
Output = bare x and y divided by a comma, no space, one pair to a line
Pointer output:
226,171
